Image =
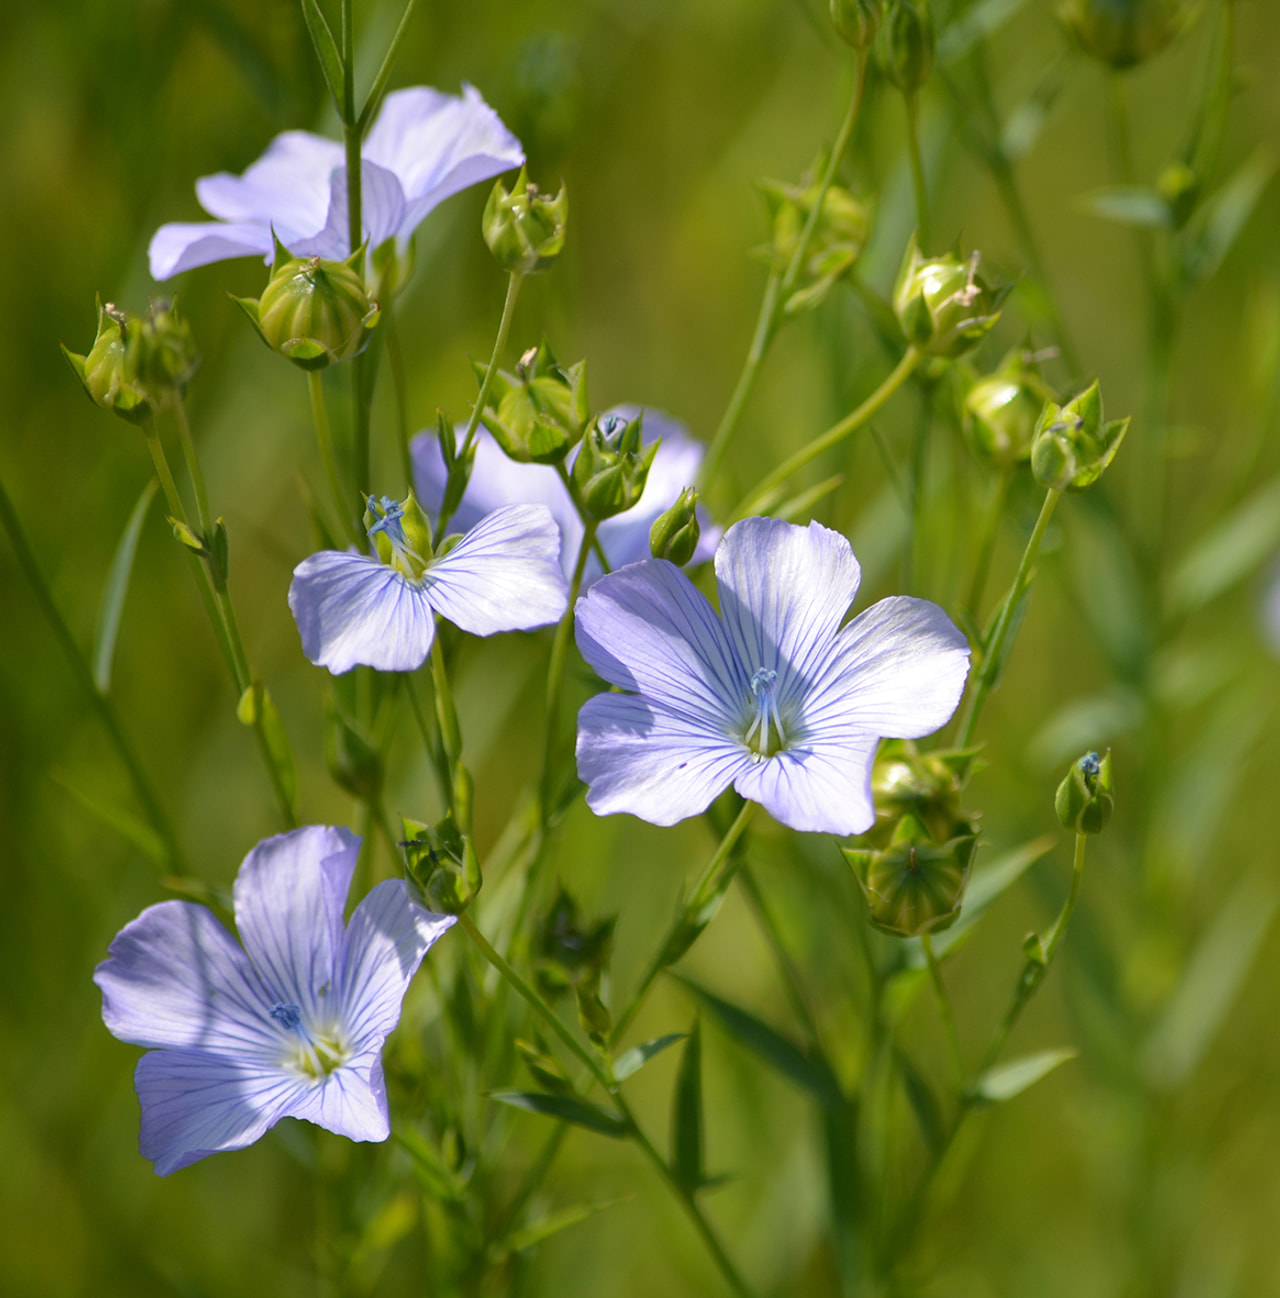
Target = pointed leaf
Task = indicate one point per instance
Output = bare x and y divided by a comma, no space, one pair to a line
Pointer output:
127,825
1127,204
635,1059
1007,1080
687,1139
326,51
566,1108
1220,220
555,1222
113,593
924,1104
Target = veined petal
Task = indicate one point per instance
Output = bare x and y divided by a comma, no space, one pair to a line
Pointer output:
174,977
289,897
646,628
504,575
195,1104
783,592
902,665
821,788
438,144
178,247
388,935
351,609
640,758
382,209
351,1101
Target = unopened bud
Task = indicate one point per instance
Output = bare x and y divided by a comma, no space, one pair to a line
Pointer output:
907,44
944,306
103,372
442,864
674,535
857,21
1073,446
1085,799
999,412
525,229
160,353
613,465
1123,33
538,413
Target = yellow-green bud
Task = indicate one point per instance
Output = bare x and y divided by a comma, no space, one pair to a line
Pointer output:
524,228
1073,446
1085,799
612,465
857,21
442,863
160,353
907,44
1123,33
999,412
104,374
924,785
674,535
944,307
314,312
539,412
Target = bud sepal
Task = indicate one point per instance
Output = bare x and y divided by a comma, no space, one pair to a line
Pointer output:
1073,447
1086,797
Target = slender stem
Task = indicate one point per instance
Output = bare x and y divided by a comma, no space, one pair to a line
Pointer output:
713,880
315,383
917,170
944,1011
832,437
987,546
995,650
435,750
778,289
539,1006
396,359
80,668
791,975
919,462
352,130
193,466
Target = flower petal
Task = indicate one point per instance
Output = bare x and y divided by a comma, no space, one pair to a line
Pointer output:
644,760
289,897
783,592
646,628
438,144
351,1102
351,609
178,247
382,210
902,668
195,1104
388,935
504,575
822,789
174,977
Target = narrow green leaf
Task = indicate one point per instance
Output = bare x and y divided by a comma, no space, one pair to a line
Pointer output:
924,1104
435,1176
113,593
687,1140
1127,204
814,1075
379,86
1007,1080
1222,217
1211,982
127,825
1024,124
636,1058
566,1108
326,51
555,1222
981,20
800,505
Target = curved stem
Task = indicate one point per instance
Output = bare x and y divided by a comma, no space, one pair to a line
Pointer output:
917,170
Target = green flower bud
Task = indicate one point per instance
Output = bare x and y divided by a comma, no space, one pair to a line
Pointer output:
1085,799
999,412
915,885
613,465
442,864
857,21
907,44
160,353
924,785
1123,33
942,304
525,229
104,374
674,535
1072,446
314,312
538,413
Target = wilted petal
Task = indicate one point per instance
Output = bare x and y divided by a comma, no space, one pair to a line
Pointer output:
646,628
643,760
179,247
382,210
354,610
289,895
388,935
823,788
194,1104
175,977
351,1102
504,575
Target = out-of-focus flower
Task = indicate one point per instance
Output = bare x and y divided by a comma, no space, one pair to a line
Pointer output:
503,575
289,1025
773,696
424,147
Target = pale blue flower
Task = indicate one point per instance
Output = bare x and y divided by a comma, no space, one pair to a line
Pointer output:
503,575
289,1025
423,147
497,480
772,696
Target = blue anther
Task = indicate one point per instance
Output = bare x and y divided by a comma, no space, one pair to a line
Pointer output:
288,1015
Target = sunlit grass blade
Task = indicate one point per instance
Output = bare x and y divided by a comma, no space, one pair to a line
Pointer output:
117,587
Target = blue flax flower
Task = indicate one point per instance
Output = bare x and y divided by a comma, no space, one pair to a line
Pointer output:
290,1025
503,575
773,696
424,147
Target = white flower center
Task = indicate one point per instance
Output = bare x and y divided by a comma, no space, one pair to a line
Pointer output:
313,1051
758,737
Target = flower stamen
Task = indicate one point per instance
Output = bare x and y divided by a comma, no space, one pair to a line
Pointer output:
762,686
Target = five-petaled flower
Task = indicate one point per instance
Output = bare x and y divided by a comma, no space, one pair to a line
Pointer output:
290,1025
773,696
497,480
503,575
424,147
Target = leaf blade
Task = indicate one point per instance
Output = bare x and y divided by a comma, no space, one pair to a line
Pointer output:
687,1130
566,1108
326,49
631,1061
116,588
1005,1081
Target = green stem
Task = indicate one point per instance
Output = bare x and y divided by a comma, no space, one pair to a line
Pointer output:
80,668
917,170
324,437
396,360
995,650
919,462
778,289
193,467
987,546
713,879
944,1012
352,131
832,437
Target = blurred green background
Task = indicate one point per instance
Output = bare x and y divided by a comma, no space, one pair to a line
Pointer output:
1148,1165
